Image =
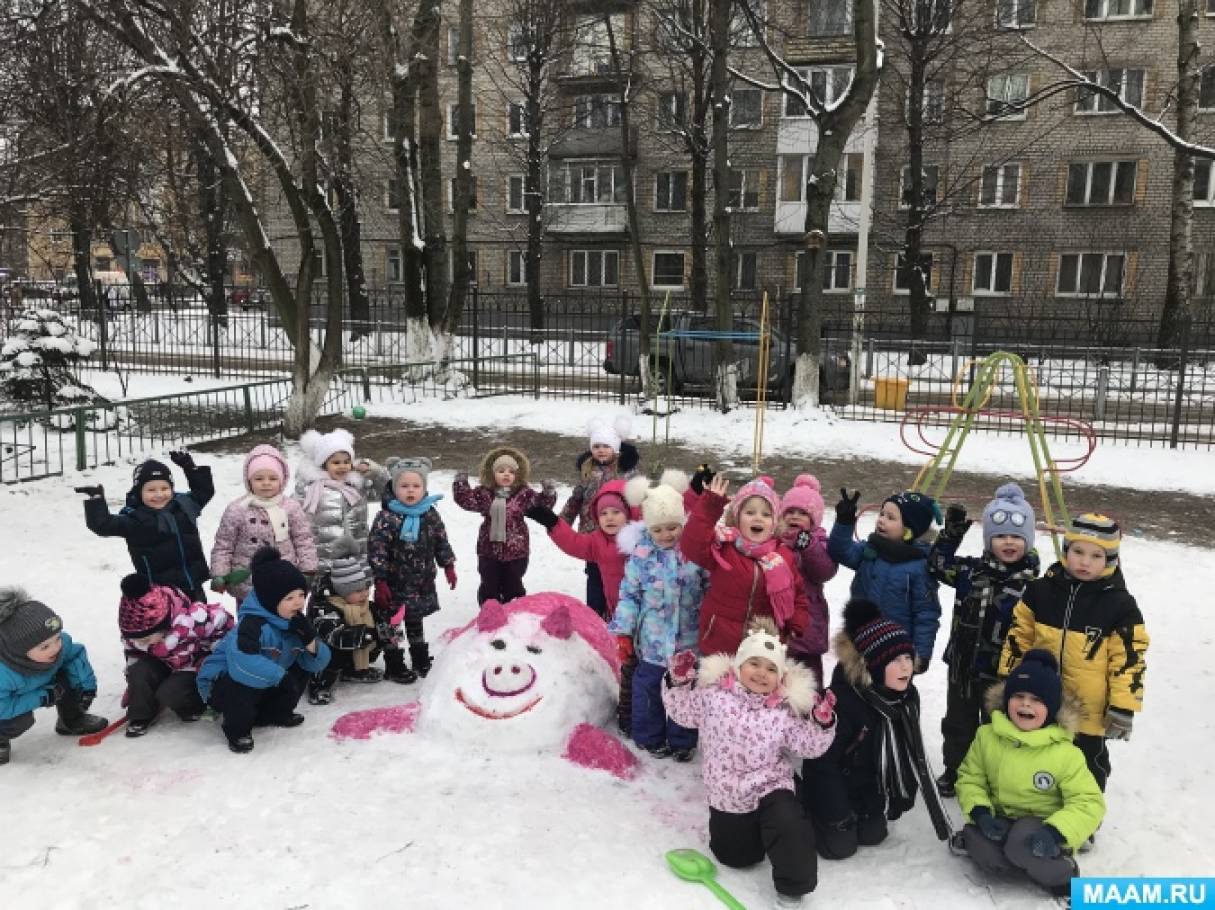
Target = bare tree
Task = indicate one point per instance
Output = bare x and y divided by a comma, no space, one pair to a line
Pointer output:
463,181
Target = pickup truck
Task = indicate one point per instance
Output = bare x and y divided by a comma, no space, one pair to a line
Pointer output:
689,361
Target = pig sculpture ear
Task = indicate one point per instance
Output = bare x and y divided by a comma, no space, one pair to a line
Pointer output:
559,624
491,617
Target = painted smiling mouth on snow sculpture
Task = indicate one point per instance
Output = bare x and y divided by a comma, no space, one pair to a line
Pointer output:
490,713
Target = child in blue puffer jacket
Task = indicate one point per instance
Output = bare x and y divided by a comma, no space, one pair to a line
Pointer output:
659,610
891,565
257,673
41,666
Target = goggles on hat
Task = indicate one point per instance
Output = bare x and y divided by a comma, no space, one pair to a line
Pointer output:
999,516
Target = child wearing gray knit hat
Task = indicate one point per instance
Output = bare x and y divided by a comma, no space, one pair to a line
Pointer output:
40,667
342,612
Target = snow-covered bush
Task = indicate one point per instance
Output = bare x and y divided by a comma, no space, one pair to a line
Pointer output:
38,362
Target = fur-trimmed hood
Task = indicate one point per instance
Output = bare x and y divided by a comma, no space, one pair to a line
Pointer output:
632,536
522,476
306,473
851,661
798,688
627,459
1071,709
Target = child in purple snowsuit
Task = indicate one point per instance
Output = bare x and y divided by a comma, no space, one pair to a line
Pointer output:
754,711
802,531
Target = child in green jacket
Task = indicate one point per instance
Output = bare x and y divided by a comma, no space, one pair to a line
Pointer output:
1024,785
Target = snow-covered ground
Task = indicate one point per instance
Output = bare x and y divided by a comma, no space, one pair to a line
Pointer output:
404,820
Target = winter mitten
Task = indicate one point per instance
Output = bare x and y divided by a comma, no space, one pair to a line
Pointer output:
921,664
461,477
383,595
55,693
993,827
302,626
956,523
93,492
542,516
624,647
1118,723
1045,843
683,668
703,475
183,460
824,710
846,508
450,573
797,539
217,584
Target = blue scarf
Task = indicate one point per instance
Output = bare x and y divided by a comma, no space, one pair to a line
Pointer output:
412,515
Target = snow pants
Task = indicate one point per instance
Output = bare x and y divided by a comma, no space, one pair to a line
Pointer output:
840,840
594,590
153,684
964,714
1097,754
68,707
649,721
244,707
501,580
779,829
1013,855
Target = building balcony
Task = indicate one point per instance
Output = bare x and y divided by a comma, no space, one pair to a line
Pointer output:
798,136
791,218
586,218
602,142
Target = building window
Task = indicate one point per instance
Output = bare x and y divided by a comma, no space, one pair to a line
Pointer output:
453,45
516,120
744,190
392,195
517,43
902,274
1211,7
1101,183
594,268
1206,90
596,112
451,194
827,84
393,268
745,269
672,111
667,270
1204,274
592,46
149,270
837,271
1015,13
453,120
472,268
671,191
588,183
796,171
993,273
1126,83
747,109
1006,96
830,17
1204,186
1117,9
793,169
516,200
1000,187
932,176
102,263
934,101
392,125
939,13
516,268
741,32
1090,274
849,189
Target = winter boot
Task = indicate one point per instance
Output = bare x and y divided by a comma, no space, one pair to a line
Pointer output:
683,756
370,675
241,744
394,660
320,687
80,724
661,750
291,720
6,751
784,901
946,783
138,728
419,656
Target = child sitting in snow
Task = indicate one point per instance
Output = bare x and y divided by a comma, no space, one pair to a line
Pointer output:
503,543
753,711
891,566
751,573
869,775
801,522
334,487
609,457
658,611
1081,610
408,539
159,526
987,588
340,610
262,517
166,638
41,667
598,547
1025,787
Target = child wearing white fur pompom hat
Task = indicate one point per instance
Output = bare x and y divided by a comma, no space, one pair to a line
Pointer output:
609,455
658,613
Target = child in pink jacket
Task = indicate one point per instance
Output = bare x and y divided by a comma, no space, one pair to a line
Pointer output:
263,517
754,710
802,532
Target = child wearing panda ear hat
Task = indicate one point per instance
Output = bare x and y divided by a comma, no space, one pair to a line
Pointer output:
609,456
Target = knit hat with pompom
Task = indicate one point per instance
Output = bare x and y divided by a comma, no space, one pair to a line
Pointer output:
25,623
274,578
320,447
601,432
1009,514
661,504
805,495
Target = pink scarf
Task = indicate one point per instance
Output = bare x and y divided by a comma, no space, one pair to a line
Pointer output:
778,577
312,495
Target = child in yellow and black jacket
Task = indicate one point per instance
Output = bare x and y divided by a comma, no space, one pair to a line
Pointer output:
1081,611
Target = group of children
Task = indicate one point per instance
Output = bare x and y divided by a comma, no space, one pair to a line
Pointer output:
1041,671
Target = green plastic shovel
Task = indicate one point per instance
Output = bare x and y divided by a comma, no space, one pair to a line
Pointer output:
694,866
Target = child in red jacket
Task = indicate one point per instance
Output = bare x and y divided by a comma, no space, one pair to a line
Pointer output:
612,512
751,573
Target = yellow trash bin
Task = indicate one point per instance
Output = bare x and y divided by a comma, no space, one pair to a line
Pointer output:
890,393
